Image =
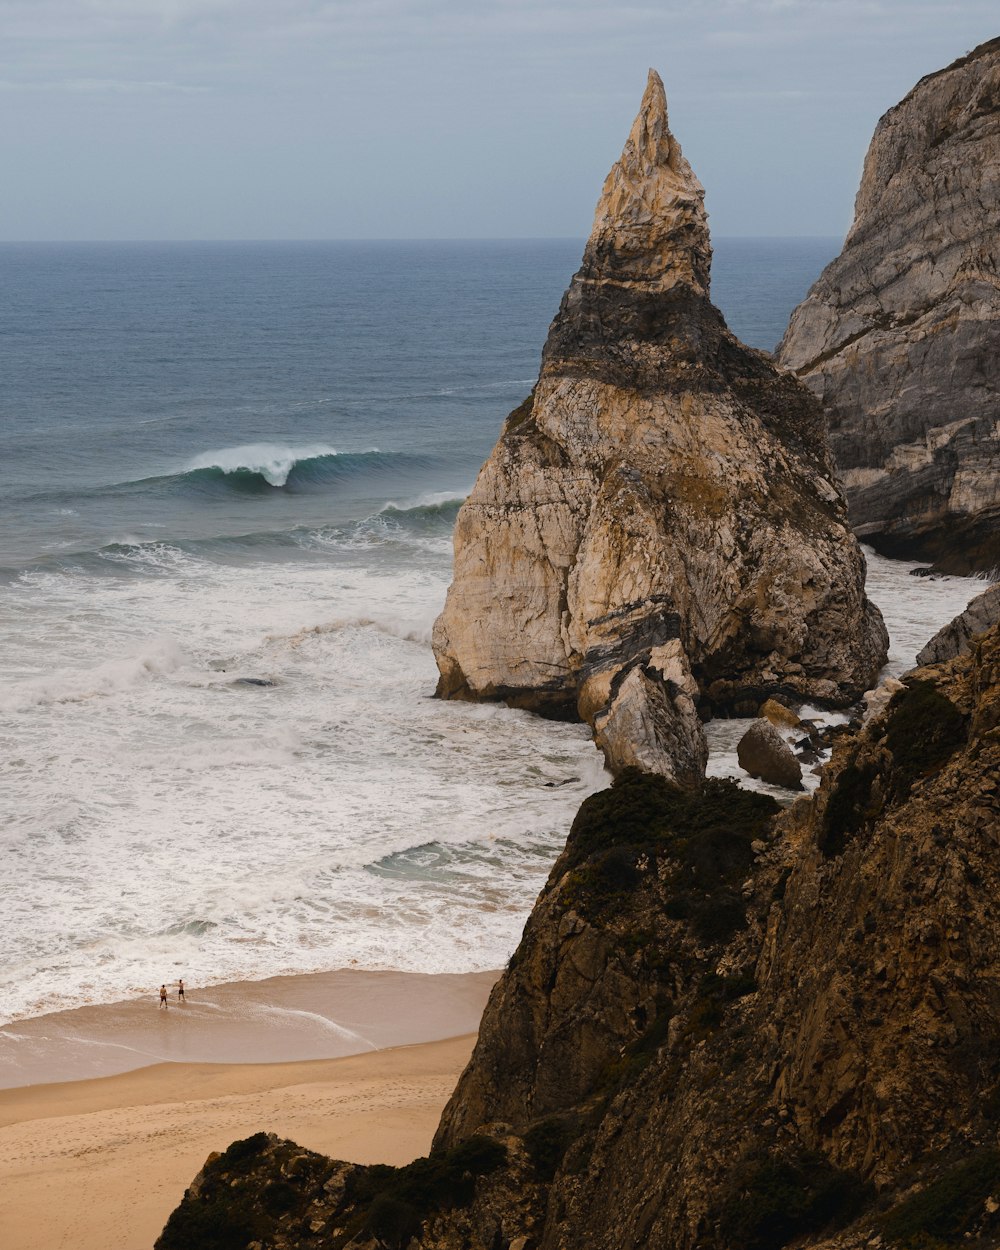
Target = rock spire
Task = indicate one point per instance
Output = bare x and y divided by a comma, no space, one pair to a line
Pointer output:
650,224
656,534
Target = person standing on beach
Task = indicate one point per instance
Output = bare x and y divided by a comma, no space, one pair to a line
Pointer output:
163,998
180,990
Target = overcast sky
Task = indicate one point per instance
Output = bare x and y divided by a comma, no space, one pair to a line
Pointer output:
310,119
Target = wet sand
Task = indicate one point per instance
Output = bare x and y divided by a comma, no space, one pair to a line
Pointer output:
94,1163
316,1016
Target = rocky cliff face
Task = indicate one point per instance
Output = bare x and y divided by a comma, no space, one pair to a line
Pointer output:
724,1029
900,337
956,637
658,525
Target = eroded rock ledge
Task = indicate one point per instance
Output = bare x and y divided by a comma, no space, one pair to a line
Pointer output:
900,336
658,527
724,1029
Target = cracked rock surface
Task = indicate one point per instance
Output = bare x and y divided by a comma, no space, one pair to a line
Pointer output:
658,526
726,1027
900,336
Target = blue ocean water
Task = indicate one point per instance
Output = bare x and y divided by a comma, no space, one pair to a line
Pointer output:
352,372
228,479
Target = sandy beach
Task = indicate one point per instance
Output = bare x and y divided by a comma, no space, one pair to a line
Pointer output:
100,1162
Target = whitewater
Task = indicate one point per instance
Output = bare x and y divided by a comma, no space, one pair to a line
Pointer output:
230,479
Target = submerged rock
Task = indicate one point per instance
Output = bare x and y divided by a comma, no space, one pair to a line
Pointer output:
763,752
658,525
900,336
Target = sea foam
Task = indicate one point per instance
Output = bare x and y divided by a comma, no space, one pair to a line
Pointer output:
166,818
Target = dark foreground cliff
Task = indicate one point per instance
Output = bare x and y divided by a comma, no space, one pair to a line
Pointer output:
900,336
725,1028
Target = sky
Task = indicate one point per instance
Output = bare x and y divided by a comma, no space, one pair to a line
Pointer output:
325,119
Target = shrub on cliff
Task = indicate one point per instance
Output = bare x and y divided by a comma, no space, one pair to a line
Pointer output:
952,1210
226,1216
394,1202
619,834
924,731
773,1199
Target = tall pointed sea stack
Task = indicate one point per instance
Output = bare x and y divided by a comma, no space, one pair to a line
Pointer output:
658,523
900,336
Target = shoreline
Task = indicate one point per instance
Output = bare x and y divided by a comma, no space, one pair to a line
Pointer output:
312,1016
110,1111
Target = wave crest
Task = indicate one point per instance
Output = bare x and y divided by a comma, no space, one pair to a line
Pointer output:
259,467
433,510
270,461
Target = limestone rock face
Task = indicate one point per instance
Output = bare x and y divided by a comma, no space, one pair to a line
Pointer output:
779,715
877,700
900,336
955,638
658,524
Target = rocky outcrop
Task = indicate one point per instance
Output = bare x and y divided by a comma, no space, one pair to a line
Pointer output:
955,638
763,752
877,700
657,534
780,716
724,1029
900,336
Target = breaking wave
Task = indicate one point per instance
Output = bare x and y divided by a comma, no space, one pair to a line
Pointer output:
264,467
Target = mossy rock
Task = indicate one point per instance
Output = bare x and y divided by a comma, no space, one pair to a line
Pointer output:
923,732
621,834
521,415
849,809
772,1199
951,1210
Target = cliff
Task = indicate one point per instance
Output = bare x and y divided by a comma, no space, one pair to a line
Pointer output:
725,1028
900,336
657,534
956,637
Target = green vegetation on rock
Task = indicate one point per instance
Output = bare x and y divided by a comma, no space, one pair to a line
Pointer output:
521,413
547,1141
924,731
951,1209
260,1182
395,1202
702,841
773,1199
227,1217
849,808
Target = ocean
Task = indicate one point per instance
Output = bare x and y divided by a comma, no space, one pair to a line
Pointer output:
229,478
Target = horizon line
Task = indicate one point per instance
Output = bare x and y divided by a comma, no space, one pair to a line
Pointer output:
540,238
